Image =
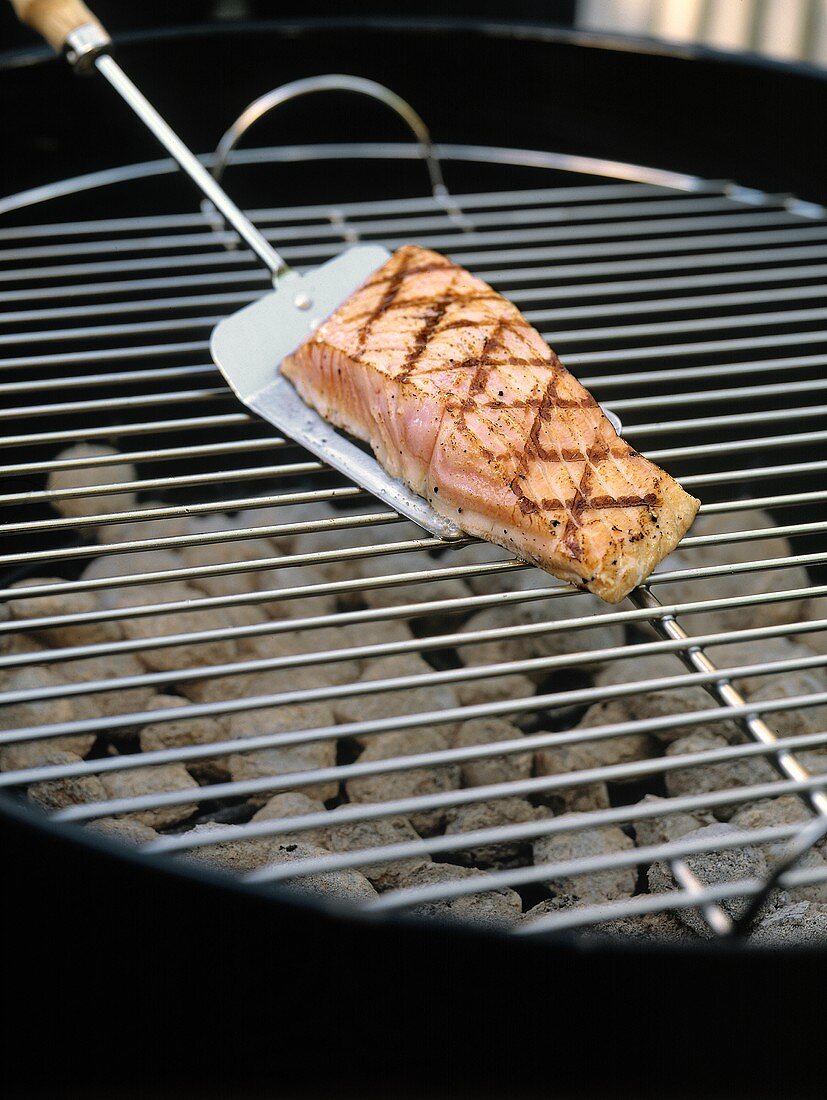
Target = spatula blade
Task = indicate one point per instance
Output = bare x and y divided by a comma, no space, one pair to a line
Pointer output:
249,346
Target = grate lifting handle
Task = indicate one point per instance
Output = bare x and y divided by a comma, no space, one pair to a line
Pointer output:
338,82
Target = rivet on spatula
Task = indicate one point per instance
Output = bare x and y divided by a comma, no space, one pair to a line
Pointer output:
302,301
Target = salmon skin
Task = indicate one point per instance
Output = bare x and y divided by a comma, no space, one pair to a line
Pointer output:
464,401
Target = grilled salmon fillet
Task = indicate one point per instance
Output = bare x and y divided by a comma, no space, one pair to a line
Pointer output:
465,402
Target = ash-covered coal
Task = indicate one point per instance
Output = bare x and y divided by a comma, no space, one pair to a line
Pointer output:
247,669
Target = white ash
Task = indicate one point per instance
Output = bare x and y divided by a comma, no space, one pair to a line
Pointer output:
218,650
437,588
811,611
607,751
280,515
380,632
701,778
220,689
678,701
593,887
339,538
306,756
60,606
316,512
116,566
764,650
137,782
815,761
110,474
335,638
241,854
791,723
170,527
119,701
720,865
491,769
295,804
645,926
494,908
57,794
244,615
276,680
276,719
803,923
732,584
232,552
581,798
19,642
517,647
584,798
488,584
41,753
412,700
378,833
494,814
44,712
661,830
183,732
5,616
786,810
375,634
812,861
122,828
345,885
406,784
295,576
491,689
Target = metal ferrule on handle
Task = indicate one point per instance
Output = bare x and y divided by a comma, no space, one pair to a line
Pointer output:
84,44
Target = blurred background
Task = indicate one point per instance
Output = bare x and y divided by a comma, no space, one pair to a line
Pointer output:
786,29
792,29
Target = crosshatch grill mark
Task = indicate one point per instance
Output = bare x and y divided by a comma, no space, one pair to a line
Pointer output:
545,406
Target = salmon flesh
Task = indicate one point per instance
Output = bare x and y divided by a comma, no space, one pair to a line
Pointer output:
461,399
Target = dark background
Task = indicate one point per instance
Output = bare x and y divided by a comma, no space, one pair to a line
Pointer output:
118,16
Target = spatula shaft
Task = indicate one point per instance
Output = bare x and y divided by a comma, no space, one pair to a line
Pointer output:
190,164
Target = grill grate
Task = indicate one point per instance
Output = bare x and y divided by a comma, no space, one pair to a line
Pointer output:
226,597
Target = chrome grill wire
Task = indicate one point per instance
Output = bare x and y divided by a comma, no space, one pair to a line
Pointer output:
600,255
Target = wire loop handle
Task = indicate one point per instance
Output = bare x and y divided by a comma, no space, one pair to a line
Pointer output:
333,82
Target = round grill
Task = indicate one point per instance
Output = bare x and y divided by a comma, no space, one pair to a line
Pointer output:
182,617
220,619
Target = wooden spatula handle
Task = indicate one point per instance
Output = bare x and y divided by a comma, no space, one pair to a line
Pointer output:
54,19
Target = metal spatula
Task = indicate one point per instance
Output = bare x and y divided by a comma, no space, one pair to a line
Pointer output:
249,346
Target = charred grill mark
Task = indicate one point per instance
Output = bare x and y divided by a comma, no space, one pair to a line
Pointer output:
504,324
554,504
423,269
467,322
648,501
537,402
545,407
426,301
526,504
481,366
464,363
578,504
385,302
427,332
